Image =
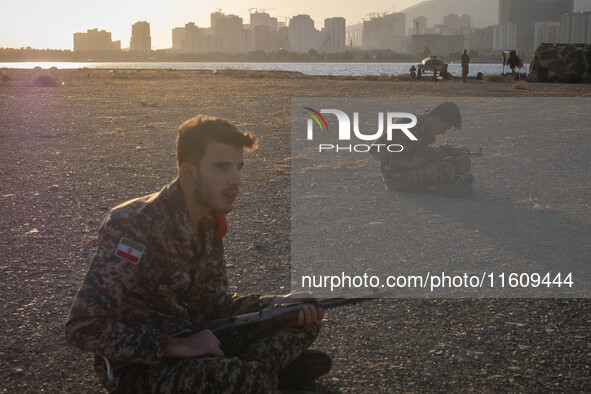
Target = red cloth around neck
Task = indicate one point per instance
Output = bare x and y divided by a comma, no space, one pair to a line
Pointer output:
220,226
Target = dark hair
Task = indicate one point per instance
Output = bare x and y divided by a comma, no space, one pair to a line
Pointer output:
194,135
448,112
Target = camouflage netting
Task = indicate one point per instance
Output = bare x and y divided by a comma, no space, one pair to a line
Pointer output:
561,63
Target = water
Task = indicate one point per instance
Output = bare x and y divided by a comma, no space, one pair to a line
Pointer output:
337,69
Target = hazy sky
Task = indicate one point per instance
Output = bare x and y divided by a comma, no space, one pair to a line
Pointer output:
51,24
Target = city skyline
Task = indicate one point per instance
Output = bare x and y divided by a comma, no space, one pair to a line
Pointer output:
43,25
21,23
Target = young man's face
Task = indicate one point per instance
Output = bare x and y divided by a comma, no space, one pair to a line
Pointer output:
218,177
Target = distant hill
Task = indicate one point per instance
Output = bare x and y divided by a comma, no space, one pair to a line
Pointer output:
483,12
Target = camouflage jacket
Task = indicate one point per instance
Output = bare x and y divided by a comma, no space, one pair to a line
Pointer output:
399,138
127,307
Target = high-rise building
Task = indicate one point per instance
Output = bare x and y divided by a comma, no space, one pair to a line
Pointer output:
354,35
575,28
525,13
504,37
302,35
480,39
385,32
263,38
546,32
178,36
455,24
192,39
140,37
192,42
214,17
228,34
450,21
419,25
264,33
464,23
95,40
335,34
439,45
263,19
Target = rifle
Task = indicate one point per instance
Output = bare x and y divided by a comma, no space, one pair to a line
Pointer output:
272,317
431,153
276,316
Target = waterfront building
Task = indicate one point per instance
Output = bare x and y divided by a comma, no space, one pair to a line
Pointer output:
354,35
140,37
576,28
229,33
450,24
178,36
464,23
385,32
438,44
504,37
263,19
265,33
480,39
95,40
525,13
546,32
334,35
419,25
302,35
192,39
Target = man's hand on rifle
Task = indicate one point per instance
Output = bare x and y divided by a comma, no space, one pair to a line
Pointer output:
199,344
308,314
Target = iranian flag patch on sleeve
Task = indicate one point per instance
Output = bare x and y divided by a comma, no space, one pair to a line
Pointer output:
129,250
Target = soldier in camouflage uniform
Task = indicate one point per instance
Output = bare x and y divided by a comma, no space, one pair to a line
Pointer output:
160,270
409,172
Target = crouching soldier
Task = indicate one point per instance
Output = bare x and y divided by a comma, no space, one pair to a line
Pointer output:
413,171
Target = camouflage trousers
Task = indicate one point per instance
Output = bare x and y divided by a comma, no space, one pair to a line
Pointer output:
427,176
250,365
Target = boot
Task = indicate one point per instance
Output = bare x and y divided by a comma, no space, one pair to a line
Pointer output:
310,365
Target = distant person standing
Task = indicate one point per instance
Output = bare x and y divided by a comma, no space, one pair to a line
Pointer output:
465,65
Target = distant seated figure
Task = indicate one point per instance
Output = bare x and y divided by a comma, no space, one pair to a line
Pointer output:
410,171
413,71
444,73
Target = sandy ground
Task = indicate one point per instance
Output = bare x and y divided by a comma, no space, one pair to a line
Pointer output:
69,153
